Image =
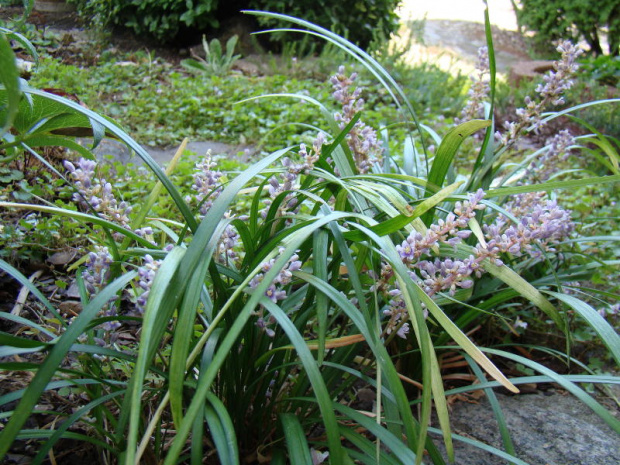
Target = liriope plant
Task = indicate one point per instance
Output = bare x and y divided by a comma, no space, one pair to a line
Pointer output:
258,327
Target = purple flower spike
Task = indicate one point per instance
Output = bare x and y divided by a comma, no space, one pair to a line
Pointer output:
556,83
362,139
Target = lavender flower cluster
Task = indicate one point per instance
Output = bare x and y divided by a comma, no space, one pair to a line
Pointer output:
541,169
146,276
228,244
289,180
96,276
275,291
479,91
97,193
439,274
362,139
556,83
542,223
207,184
449,231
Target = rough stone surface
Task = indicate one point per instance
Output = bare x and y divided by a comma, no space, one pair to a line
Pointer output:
549,428
528,70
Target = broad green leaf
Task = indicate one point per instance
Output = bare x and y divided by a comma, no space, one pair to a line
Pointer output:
117,132
9,78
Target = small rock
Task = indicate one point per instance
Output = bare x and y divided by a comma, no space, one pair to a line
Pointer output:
70,308
528,70
73,292
246,67
545,429
62,258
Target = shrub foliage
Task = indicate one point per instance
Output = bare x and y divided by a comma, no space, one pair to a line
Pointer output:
164,20
589,20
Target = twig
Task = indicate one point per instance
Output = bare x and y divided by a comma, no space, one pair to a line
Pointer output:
23,294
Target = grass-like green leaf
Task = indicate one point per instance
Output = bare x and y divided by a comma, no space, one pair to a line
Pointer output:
515,281
550,186
27,324
311,369
163,298
60,432
222,430
449,146
299,451
20,38
565,383
399,450
24,281
184,327
608,335
54,360
497,410
398,222
484,447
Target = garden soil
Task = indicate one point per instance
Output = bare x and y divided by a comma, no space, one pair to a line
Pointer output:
547,427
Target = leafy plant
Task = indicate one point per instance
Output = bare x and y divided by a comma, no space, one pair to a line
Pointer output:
574,19
215,62
345,265
160,19
164,20
359,22
604,69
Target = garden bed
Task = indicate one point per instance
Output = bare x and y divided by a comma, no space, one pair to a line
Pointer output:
252,309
